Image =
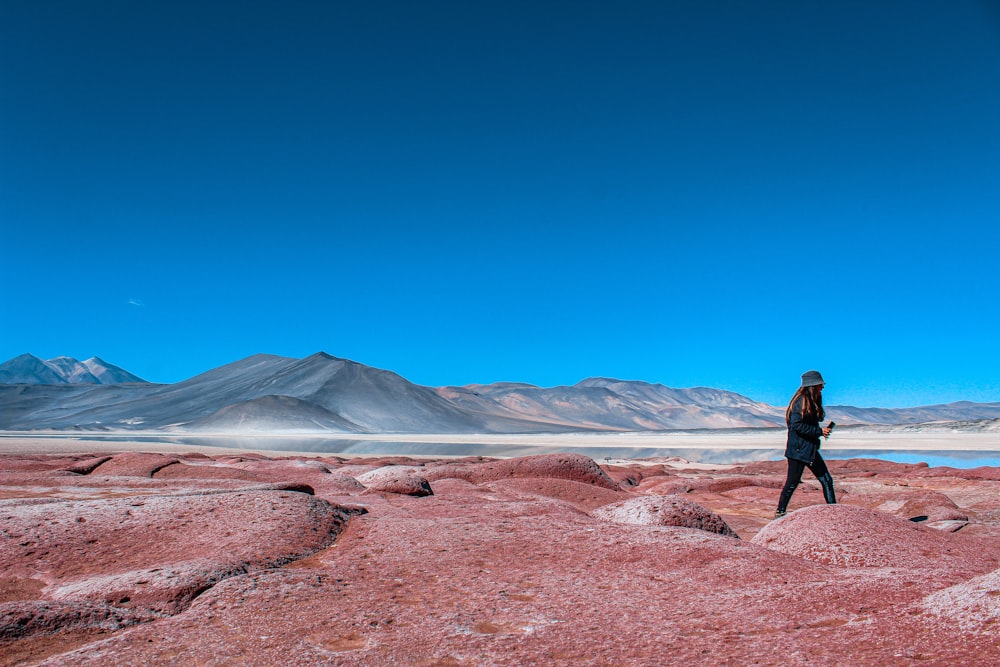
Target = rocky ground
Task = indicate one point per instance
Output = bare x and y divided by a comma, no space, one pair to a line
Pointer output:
189,559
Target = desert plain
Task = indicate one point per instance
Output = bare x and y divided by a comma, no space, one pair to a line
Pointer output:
149,552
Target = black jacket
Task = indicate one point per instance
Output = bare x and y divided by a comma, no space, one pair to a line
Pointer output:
803,436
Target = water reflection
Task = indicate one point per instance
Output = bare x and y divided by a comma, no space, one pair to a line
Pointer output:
721,456
951,459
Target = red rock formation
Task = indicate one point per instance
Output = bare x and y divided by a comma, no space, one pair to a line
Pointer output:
575,467
664,511
847,535
546,560
403,480
134,464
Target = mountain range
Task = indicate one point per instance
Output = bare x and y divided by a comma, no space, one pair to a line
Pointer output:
325,394
29,369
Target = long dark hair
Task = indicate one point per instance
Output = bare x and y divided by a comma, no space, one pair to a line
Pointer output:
812,404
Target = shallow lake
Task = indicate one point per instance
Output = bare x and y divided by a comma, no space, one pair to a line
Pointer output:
715,455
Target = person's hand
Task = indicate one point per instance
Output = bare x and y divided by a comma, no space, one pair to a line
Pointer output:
826,431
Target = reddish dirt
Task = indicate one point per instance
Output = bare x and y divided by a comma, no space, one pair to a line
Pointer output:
146,559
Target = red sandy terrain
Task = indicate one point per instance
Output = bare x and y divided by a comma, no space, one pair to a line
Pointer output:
152,559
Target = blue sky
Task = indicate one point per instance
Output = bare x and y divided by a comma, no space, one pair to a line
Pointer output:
704,193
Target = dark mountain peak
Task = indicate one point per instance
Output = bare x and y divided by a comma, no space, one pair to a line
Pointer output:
596,381
324,360
962,404
611,382
321,361
501,386
29,369
258,358
24,358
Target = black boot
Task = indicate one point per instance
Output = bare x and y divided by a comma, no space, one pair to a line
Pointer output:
786,496
826,481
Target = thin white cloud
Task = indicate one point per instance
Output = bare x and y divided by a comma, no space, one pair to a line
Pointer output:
135,302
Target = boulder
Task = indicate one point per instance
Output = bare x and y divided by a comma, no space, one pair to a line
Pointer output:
402,480
664,511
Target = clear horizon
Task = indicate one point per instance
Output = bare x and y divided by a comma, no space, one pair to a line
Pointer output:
693,194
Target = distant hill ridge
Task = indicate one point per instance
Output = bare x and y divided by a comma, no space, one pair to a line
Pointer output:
325,394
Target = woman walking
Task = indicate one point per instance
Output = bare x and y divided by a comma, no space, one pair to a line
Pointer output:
803,415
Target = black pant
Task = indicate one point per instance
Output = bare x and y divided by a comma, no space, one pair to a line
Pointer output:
795,469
